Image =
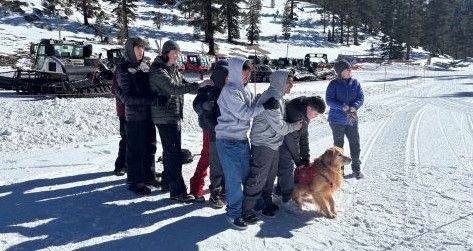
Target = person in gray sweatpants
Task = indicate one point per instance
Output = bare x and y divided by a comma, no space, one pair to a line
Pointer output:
295,148
267,134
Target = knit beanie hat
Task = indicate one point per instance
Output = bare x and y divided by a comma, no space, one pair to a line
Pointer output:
169,46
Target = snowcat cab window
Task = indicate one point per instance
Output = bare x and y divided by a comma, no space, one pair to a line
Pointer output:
68,51
40,56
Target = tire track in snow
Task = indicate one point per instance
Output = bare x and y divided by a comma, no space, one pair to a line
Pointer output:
449,143
366,152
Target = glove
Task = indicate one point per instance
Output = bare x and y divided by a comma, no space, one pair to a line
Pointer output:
271,104
345,108
303,162
352,109
208,105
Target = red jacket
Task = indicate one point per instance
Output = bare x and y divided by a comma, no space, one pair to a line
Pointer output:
120,107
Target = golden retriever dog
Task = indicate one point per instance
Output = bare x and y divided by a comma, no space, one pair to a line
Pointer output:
319,181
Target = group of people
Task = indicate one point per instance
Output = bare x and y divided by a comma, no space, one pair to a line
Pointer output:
242,170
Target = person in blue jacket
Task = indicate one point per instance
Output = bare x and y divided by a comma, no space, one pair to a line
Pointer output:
345,97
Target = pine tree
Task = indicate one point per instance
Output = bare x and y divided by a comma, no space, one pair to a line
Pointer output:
125,15
203,19
100,30
287,22
231,14
253,20
437,25
158,20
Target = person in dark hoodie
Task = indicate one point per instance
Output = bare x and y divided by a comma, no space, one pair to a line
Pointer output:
134,91
205,105
345,96
167,113
295,148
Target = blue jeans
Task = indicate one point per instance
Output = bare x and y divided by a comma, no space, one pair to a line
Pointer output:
234,156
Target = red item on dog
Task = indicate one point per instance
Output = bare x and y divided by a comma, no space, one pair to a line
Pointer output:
304,174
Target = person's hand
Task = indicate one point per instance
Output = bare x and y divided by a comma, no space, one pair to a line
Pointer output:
271,104
299,124
208,105
303,162
352,109
206,82
345,108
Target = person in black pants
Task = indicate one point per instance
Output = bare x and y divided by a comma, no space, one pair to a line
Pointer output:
134,91
167,113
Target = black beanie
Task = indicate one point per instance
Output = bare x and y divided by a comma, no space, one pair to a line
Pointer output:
169,46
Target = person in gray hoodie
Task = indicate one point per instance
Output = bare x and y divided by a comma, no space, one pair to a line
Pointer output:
267,134
237,107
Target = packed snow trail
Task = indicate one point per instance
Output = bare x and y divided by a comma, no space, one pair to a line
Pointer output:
417,155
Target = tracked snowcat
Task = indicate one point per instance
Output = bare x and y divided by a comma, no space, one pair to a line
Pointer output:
61,68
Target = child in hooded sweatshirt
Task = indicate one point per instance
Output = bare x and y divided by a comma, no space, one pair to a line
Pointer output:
237,107
267,134
205,105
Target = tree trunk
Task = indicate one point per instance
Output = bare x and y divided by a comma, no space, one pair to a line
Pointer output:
324,20
125,19
341,29
84,10
355,35
292,10
348,35
333,27
210,29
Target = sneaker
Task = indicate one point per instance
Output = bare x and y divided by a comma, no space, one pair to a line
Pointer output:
199,199
250,218
270,210
358,175
139,189
237,223
119,171
183,197
215,201
153,182
291,207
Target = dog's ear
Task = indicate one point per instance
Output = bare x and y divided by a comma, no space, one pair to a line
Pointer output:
329,156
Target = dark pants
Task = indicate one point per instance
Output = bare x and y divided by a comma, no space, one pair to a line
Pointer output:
120,162
285,173
170,135
339,132
217,180
140,151
260,182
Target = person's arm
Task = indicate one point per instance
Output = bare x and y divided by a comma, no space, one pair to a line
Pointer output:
304,150
126,93
276,122
360,98
160,78
237,106
331,97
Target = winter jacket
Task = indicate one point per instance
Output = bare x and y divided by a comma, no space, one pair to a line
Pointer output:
298,142
170,86
237,105
269,127
342,92
119,106
133,86
205,103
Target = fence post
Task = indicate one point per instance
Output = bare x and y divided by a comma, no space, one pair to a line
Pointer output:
385,75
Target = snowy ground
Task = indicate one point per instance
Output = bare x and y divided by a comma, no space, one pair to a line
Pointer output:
57,191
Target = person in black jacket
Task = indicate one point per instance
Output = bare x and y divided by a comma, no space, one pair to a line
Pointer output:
167,114
295,148
205,105
134,91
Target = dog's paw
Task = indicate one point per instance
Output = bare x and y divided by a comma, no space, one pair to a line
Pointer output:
331,216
